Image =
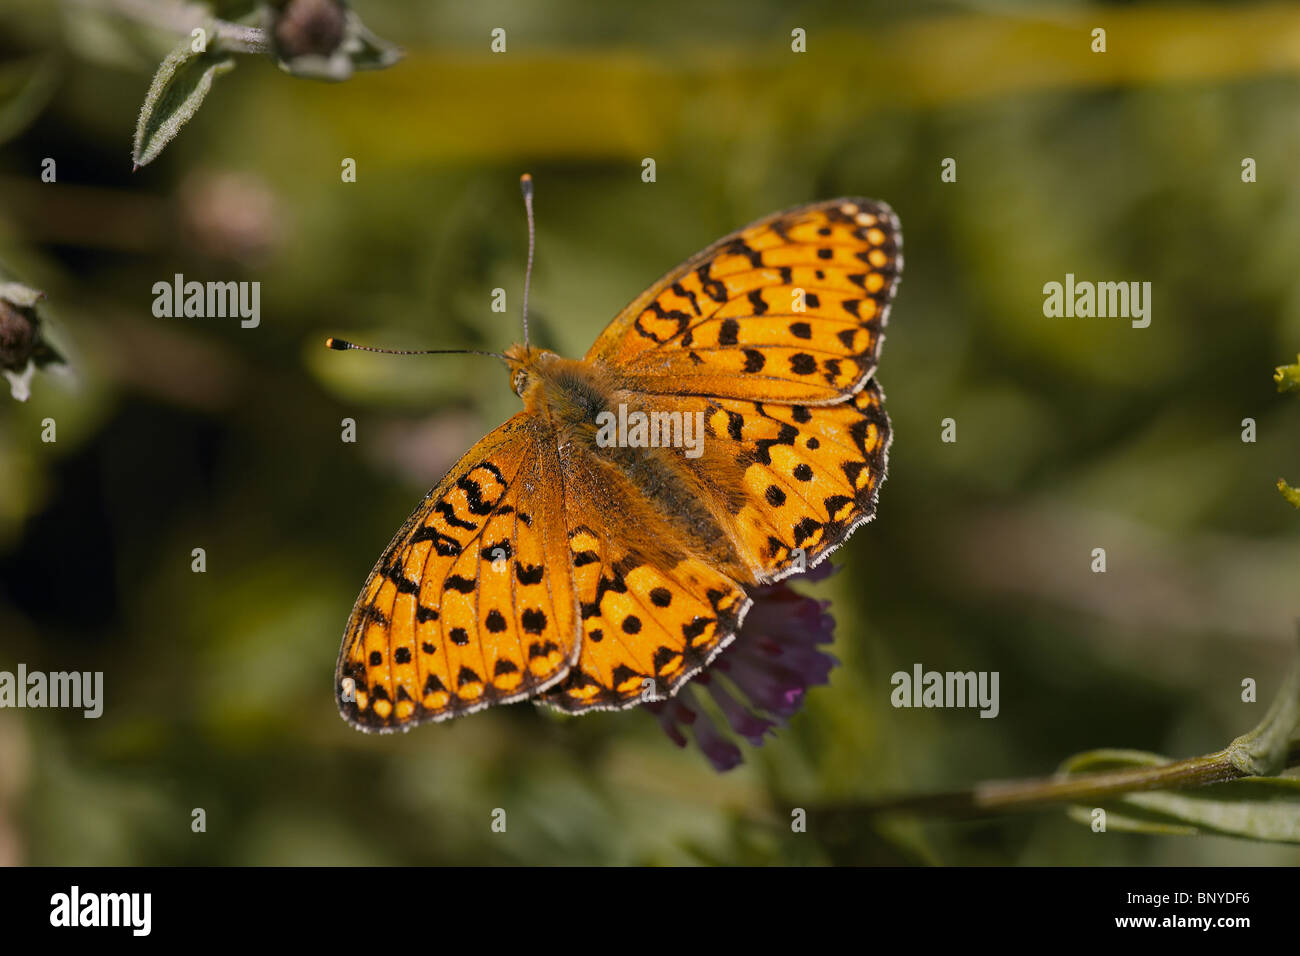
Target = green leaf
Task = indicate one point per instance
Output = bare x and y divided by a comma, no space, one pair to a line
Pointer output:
178,89
1253,808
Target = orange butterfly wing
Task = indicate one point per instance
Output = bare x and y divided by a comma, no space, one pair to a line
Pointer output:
471,603
788,309
811,475
773,334
536,569
654,607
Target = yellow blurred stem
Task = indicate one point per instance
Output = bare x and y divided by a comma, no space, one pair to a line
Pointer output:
486,105
1290,494
1288,377
1288,380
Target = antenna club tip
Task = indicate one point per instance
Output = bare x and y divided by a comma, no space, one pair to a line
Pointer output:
338,344
526,184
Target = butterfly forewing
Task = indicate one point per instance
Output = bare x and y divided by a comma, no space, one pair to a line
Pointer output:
788,309
466,609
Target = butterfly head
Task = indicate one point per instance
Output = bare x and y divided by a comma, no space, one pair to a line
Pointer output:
524,362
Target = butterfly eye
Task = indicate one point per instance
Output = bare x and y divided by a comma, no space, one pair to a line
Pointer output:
518,380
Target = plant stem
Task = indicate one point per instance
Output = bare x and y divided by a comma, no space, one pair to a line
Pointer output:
997,797
1265,751
182,18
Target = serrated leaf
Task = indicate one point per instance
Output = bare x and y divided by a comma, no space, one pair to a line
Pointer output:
177,91
1253,808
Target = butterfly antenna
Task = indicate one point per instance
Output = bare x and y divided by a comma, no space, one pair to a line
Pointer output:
343,345
526,187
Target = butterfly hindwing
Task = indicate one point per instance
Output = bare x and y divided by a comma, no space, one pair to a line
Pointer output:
783,485
791,307
461,612
811,474
653,610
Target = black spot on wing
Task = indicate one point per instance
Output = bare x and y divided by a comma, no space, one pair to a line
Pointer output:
474,495
529,573
444,545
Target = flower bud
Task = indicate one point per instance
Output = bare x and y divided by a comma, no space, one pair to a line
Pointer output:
17,337
308,28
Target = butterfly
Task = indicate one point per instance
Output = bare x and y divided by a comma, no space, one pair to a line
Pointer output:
591,574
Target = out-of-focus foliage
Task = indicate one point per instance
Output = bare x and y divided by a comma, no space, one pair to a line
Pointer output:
321,39
1288,380
1073,434
1288,377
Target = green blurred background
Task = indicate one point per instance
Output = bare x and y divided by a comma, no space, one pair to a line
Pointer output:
1072,433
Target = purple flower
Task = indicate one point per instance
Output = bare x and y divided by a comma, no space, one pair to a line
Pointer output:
759,681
